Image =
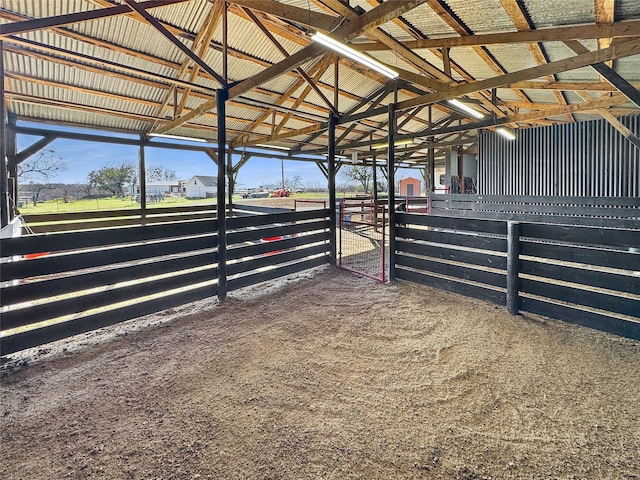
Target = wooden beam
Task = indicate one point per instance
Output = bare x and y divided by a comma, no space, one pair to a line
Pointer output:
367,21
605,14
284,52
613,121
56,21
608,74
629,28
620,127
565,109
391,43
378,16
169,36
299,15
628,48
521,22
287,64
201,43
574,86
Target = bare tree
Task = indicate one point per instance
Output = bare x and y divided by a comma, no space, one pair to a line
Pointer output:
158,173
39,170
359,173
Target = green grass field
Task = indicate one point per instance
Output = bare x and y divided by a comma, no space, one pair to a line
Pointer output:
128,203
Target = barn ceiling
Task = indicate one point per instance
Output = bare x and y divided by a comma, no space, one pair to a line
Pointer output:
155,66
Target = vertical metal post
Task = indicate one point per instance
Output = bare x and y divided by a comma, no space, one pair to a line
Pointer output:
391,152
432,155
4,173
142,167
331,161
232,180
513,259
336,88
221,97
11,148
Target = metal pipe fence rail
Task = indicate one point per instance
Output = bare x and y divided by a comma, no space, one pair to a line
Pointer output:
584,275
61,284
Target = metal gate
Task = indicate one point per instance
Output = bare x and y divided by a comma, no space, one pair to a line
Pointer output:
362,238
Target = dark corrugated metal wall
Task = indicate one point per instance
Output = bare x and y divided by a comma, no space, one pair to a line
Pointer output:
574,159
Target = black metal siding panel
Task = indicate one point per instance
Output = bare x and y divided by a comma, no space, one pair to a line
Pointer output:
577,159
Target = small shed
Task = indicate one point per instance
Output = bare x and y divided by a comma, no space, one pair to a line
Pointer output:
409,187
202,186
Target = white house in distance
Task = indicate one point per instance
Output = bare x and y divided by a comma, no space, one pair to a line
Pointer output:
202,186
166,187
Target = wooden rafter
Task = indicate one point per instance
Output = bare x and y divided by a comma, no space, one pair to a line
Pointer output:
200,43
628,48
629,28
367,21
169,36
285,54
605,14
301,16
56,21
318,67
522,24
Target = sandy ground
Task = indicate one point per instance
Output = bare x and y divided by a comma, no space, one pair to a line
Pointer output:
327,377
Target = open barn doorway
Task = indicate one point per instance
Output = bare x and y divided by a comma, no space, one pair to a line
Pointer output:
362,238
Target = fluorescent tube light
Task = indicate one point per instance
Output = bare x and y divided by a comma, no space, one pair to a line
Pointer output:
264,145
463,106
506,133
399,143
177,137
354,54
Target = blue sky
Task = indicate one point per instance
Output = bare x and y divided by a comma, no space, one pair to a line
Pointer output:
81,157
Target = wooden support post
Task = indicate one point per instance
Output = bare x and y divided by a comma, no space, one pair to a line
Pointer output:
221,98
391,151
331,159
513,267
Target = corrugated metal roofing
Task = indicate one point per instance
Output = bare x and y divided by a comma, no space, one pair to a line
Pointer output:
481,16
116,72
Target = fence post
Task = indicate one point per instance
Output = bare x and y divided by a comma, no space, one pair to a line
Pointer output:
391,192
331,171
513,267
221,208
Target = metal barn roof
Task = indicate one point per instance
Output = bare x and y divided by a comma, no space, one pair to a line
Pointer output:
117,65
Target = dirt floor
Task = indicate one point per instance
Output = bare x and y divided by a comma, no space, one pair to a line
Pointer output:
332,376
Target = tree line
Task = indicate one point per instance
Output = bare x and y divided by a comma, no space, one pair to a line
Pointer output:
36,178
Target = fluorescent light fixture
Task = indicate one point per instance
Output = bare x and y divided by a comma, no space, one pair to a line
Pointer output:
399,143
178,137
264,145
354,54
463,106
506,133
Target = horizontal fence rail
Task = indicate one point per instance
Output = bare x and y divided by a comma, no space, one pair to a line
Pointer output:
588,211
69,282
584,275
589,276
466,256
61,284
61,222
267,247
